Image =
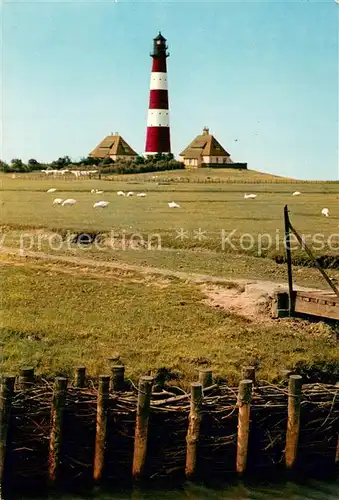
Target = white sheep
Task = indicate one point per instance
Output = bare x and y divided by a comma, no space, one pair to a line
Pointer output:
98,192
101,204
92,191
69,201
325,212
247,196
121,193
296,193
57,201
172,204
130,193
141,195
52,190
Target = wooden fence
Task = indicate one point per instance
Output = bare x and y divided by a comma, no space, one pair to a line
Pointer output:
79,432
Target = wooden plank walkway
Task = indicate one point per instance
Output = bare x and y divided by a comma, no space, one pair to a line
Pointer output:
320,303
317,303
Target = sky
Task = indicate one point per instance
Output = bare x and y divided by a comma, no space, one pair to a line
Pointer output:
262,75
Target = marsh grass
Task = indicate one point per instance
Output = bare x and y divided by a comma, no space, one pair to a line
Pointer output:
216,210
58,315
195,260
56,320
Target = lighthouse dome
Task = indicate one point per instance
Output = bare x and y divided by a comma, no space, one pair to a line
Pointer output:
160,38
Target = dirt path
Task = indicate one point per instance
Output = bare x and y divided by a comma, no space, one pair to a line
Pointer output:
244,297
264,285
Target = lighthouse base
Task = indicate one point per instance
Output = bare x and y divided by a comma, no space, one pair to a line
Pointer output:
158,139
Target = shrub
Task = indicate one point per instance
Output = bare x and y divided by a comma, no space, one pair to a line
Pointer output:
17,165
4,167
61,162
138,167
32,162
155,163
106,161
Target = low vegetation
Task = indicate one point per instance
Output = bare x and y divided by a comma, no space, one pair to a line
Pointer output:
57,317
155,163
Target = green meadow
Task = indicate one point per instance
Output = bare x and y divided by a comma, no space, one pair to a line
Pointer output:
58,315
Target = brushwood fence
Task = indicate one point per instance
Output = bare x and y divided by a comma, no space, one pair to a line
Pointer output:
81,433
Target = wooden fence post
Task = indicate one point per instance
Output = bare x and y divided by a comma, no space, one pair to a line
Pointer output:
6,396
141,426
336,459
285,373
205,377
118,378
248,373
289,260
193,432
56,435
26,378
293,420
244,400
80,376
101,427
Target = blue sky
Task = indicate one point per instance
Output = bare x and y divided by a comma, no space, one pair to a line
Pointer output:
264,73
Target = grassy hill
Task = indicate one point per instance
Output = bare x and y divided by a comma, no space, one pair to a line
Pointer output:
199,175
213,175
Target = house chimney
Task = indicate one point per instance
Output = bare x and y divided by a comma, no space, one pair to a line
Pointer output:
205,131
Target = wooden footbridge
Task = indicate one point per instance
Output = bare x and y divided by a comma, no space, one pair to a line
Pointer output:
317,303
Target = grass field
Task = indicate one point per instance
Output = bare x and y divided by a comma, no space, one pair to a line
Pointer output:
219,211
55,316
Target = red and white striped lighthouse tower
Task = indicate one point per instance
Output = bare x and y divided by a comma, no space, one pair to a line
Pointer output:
158,130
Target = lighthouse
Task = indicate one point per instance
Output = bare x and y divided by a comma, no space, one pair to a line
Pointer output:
158,129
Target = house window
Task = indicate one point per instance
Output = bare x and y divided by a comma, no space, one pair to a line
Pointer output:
216,160
225,160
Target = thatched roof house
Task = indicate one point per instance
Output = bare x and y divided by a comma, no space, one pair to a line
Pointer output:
206,151
115,147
